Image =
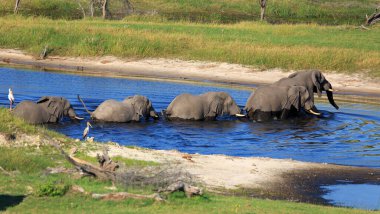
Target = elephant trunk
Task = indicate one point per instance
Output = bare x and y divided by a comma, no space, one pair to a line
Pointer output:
73,115
153,114
331,98
84,105
236,111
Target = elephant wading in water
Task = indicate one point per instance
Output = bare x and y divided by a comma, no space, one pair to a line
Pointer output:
130,109
313,80
278,102
46,110
206,106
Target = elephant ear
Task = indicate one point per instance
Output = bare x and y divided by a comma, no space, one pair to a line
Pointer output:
55,108
43,99
215,107
294,99
317,79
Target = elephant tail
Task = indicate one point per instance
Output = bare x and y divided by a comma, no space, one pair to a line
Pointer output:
84,105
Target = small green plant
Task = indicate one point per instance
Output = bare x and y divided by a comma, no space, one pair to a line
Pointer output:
52,189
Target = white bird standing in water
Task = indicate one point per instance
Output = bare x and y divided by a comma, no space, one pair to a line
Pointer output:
11,99
86,130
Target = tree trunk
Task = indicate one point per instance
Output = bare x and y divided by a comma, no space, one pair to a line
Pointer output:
82,9
263,5
16,6
92,8
105,9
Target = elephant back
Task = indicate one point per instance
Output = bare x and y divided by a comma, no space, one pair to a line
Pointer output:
186,106
113,111
31,112
267,99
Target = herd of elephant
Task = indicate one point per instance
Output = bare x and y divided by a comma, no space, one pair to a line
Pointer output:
280,100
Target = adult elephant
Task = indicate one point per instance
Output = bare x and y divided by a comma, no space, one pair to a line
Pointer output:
130,109
48,109
269,102
313,80
206,106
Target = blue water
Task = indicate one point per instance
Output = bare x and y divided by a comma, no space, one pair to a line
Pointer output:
349,136
363,196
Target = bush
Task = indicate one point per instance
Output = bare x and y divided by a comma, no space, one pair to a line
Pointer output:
52,189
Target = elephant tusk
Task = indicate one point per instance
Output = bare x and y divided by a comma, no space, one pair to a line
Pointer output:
315,113
332,90
78,118
239,115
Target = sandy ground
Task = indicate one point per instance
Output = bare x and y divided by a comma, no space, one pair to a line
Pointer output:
179,70
265,177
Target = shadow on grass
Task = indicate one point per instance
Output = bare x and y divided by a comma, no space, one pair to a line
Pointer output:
10,201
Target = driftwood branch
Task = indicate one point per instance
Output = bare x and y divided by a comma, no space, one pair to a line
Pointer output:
126,195
178,186
375,17
99,172
181,186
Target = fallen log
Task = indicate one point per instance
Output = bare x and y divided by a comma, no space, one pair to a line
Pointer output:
181,186
101,173
375,17
125,195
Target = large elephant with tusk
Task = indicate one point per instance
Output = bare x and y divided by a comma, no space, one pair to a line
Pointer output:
48,109
270,102
130,109
206,106
313,80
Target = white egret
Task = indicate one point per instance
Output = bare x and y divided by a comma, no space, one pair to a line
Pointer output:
11,98
86,130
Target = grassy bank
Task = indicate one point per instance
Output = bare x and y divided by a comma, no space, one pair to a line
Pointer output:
216,11
338,48
26,187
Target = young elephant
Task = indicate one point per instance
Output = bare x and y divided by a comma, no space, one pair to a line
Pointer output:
130,109
278,102
313,80
202,107
46,110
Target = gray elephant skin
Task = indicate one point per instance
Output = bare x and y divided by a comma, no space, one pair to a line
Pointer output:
270,102
206,106
48,109
130,109
313,80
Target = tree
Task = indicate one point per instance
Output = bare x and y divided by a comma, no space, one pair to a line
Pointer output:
263,5
16,6
105,10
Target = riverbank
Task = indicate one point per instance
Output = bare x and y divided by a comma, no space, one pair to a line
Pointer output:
257,44
181,70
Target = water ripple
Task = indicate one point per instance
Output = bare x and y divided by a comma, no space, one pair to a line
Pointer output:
350,136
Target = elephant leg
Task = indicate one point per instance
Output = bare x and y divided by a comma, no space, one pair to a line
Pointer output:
284,114
261,116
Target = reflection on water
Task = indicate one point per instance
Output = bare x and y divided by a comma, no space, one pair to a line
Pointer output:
350,136
366,196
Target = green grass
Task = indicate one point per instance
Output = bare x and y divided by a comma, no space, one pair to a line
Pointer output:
19,191
302,46
216,11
